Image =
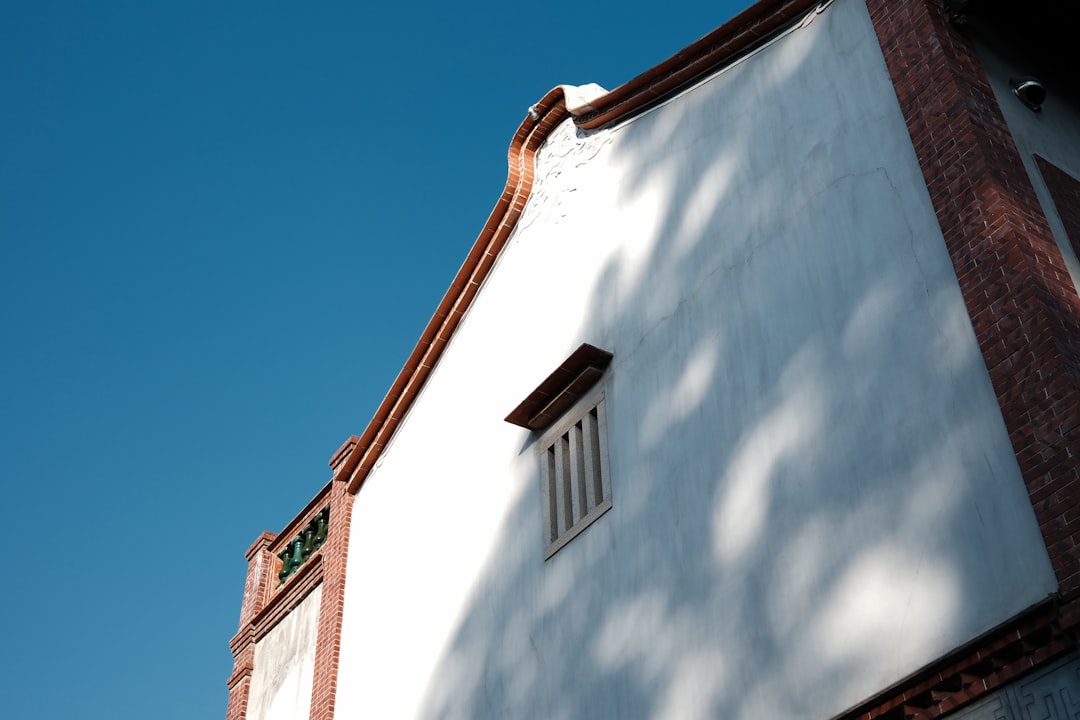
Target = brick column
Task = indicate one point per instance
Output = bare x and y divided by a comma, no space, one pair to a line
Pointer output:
328,646
256,589
335,553
1022,303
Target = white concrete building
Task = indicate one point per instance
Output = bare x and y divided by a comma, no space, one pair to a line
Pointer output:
788,334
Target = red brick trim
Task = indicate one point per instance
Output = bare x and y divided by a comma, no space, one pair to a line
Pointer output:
257,587
1024,308
343,462
1023,305
998,657
746,31
290,531
243,644
298,587
267,602
240,683
720,47
548,113
1065,192
331,609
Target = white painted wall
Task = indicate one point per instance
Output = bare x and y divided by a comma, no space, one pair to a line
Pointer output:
284,665
814,493
1053,133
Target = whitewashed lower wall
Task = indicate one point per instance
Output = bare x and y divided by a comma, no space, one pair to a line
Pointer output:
284,665
813,490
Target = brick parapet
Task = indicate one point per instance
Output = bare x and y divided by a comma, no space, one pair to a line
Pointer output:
1024,308
332,606
267,601
256,585
260,568
739,36
239,692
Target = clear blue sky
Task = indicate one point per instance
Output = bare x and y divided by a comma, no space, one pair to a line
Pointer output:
222,228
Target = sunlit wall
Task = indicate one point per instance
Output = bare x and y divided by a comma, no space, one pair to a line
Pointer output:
284,665
814,493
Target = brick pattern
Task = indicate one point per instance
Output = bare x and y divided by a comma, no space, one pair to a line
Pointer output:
1002,655
243,644
240,681
1023,305
735,38
291,594
1026,315
328,646
267,601
1024,308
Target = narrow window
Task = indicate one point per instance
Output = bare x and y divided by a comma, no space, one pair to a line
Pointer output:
575,485
569,410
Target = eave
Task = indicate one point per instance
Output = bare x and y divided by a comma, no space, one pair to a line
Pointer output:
739,36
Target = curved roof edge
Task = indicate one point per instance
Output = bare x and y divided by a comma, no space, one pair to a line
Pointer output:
744,33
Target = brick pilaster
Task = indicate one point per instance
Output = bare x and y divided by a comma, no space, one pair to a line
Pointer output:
256,591
1022,303
331,610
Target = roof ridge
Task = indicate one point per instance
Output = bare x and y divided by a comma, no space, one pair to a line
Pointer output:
591,107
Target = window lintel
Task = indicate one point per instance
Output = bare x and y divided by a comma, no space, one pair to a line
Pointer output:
562,388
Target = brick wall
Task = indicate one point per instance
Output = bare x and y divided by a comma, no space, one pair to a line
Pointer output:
328,648
256,589
267,601
1026,315
1022,303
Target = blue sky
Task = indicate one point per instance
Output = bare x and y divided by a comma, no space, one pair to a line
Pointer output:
222,229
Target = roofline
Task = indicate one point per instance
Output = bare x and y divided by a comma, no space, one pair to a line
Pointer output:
744,33
740,35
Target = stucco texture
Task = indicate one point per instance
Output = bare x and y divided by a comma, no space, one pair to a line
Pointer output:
813,490
284,665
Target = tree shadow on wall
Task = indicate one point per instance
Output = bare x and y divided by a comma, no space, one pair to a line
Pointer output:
812,489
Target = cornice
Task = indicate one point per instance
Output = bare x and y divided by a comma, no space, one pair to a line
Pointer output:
747,31
543,117
741,35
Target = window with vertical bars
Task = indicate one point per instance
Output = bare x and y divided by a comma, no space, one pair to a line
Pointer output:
576,488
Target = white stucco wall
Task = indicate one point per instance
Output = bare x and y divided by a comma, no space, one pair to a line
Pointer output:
1053,133
814,493
284,665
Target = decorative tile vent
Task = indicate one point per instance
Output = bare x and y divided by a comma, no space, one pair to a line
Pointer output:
303,546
